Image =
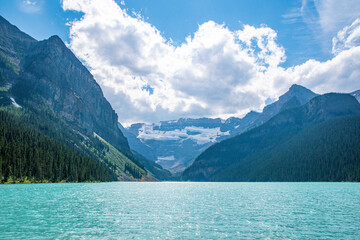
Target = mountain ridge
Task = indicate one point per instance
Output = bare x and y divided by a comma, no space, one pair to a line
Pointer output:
277,130
175,144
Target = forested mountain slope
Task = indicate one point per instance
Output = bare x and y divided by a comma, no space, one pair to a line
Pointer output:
44,85
27,155
251,149
329,151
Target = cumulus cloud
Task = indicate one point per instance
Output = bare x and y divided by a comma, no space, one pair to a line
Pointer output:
215,72
347,38
340,74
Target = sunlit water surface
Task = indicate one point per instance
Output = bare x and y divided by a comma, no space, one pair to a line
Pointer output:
174,210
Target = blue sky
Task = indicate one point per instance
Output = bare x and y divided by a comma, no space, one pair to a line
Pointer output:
178,19
165,59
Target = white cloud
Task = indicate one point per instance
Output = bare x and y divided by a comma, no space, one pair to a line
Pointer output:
347,38
28,2
31,6
335,14
326,17
217,72
340,74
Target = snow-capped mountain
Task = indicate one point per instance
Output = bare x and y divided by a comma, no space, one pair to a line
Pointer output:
175,144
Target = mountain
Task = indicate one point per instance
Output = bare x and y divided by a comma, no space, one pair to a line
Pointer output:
13,43
136,144
53,71
284,147
328,151
175,144
28,155
296,93
356,94
147,153
47,88
155,169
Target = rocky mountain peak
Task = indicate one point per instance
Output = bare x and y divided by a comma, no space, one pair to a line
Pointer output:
296,87
13,42
56,38
302,94
49,70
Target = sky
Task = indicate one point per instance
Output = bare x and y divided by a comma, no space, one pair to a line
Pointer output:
166,59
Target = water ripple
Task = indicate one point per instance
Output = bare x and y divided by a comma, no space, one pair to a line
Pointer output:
172,210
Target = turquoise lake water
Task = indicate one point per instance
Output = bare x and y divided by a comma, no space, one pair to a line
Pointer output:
180,210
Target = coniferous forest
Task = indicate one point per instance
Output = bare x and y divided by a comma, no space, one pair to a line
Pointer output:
27,155
329,151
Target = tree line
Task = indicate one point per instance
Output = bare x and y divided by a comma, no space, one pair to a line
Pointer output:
26,154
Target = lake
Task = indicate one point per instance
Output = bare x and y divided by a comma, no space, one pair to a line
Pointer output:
180,210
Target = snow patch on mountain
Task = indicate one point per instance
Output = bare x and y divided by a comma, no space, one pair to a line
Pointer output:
200,135
167,158
356,94
14,103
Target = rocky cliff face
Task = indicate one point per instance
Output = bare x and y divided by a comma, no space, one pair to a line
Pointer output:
296,94
50,70
13,42
54,72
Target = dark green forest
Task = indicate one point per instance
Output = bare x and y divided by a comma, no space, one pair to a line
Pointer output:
27,155
329,151
36,117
